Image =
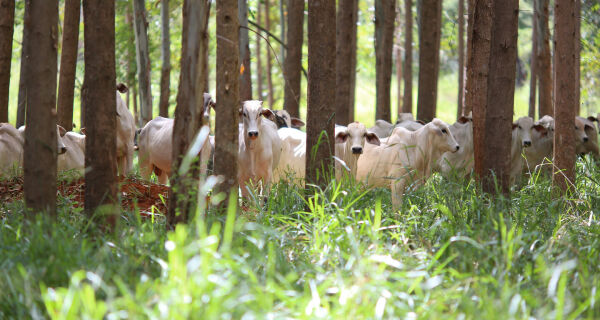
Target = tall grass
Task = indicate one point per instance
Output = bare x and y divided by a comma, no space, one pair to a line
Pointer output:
449,252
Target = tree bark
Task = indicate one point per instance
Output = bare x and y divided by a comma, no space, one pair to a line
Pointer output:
22,96
565,90
227,119
398,53
7,21
384,41
480,13
143,59
165,53
269,65
321,91
533,64
345,50
245,74
293,58
500,95
461,58
186,114
68,63
429,58
353,73
258,55
468,107
544,59
39,161
99,97
131,68
282,26
408,18
578,56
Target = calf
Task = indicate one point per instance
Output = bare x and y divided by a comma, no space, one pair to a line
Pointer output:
293,154
587,137
521,138
259,146
541,144
409,156
349,143
462,160
125,134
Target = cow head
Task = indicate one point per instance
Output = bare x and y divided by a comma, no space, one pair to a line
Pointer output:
283,119
356,133
522,131
208,103
581,130
60,133
252,113
442,139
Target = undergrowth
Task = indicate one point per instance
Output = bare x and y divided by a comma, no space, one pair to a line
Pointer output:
451,251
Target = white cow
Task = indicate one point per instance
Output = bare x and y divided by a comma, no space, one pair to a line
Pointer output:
293,154
74,157
409,156
349,144
283,119
587,137
541,144
125,134
11,150
461,161
383,129
259,146
521,139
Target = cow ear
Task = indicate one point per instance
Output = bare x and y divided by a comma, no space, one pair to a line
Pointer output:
62,131
372,138
463,120
592,118
341,137
83,131
541,129
588,127
267,113
421,122
514,126
297,123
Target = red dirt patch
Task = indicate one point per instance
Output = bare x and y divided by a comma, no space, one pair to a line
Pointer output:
132,192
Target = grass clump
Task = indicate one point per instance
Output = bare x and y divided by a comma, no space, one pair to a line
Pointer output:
449,252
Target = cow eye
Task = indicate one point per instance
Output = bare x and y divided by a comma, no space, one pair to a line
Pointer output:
245,114
520,127
444,131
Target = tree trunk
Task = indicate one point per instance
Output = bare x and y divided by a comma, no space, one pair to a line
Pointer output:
39,161
408,18
468,107
226,122
578,55
321,91
131,67
7,19
429,58
258,55
282,25
99,97
185,128
398,53
500,95
533,64
293,57
353,68
565,90
480,13
385,11
245,74
165,53
269,66
202,73
544,59
143,59
345,33
68,63
22,96
461,58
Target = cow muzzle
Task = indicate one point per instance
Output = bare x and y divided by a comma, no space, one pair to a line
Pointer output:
357,150
585,139
253,135
526,144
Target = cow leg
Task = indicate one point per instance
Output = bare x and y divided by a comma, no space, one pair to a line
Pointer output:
398,188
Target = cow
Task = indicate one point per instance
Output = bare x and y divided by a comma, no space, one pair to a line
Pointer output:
283,119
259,146
383,129
74,157
520,139
125,134
587,137
461,162
155,146
11,150
349,144
293,154
60,133
541,144
408,157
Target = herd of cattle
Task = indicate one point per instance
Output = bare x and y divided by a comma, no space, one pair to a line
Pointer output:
272,148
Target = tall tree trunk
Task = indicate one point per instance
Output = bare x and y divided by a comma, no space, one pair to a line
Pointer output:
99,97
202,73
461,58
500,95
39,161
533,64
385,11
131,67
227,119
408,22
165,53
22,96
68,63
353,68
282,26
480,34
578,55
429,58
293,58
7,21
269,66
398,53
245,74
468,106
185,126
321,91
544,59
258,55
565,90
345,33
143,59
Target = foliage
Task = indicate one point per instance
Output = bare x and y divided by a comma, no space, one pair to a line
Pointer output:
450,252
